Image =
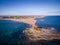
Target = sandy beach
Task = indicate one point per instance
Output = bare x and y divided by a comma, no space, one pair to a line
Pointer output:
27,20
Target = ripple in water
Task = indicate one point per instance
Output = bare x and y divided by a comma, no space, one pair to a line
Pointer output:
49,22
11,32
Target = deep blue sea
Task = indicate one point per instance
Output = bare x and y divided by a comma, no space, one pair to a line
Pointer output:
49,22
11,31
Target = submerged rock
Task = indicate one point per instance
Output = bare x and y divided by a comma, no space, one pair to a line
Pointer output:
41,34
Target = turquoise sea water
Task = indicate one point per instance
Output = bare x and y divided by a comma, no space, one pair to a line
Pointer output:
11,32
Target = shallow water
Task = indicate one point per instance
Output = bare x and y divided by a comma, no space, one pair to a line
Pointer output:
11,32
48,22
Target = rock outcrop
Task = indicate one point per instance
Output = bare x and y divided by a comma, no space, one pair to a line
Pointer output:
35,34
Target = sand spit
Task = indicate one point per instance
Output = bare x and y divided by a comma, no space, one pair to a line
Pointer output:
27,20
34,33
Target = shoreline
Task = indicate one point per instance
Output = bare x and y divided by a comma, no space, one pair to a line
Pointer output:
35,34
31,21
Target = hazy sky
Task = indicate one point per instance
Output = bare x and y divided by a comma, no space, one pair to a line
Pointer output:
29,7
